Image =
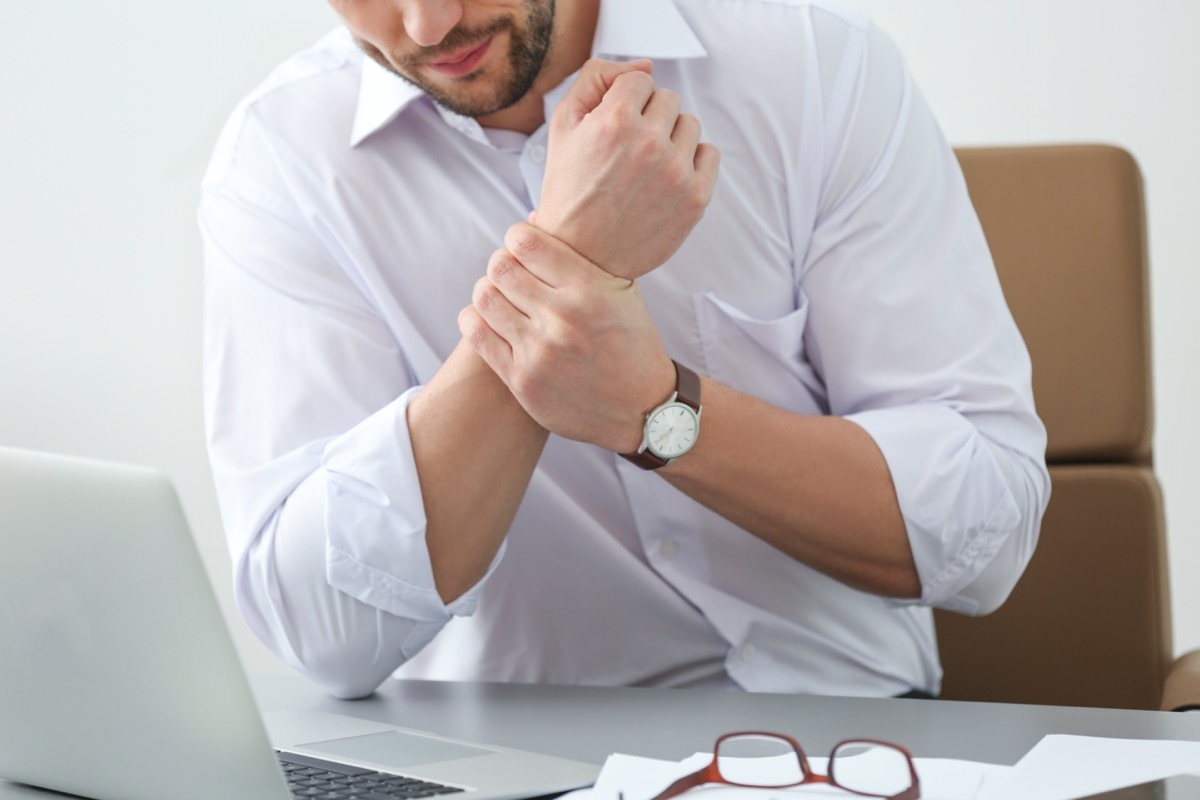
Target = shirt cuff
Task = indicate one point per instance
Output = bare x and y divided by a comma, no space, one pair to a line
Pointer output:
954,497
375,521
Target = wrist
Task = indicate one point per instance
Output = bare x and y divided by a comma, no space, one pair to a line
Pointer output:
671,428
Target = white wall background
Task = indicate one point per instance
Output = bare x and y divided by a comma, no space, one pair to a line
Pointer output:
110,109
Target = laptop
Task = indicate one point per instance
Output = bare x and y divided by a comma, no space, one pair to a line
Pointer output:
119,680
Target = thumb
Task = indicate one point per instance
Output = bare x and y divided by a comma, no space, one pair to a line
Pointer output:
595,78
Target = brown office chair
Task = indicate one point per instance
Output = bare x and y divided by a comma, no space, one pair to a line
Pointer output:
1090,621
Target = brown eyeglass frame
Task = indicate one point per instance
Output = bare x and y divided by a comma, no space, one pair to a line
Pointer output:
711,774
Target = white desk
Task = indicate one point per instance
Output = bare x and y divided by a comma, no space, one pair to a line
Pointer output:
590,723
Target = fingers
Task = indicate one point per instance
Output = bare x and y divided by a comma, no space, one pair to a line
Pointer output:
662,109
629,95
699,162
686,133
495,324
495,352
523,290
507,304
708,161
595,79
548,259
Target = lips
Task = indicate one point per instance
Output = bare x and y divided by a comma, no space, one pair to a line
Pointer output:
462,62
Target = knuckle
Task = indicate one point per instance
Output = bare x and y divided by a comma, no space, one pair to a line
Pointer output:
471,327
563,338
500,267
632,83
544,360
697,199
523,384
669,95
536,367
637,78
611,136
647,144
521,240
484,295
543,350
625,81
677,174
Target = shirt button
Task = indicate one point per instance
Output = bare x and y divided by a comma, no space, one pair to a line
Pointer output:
748,652
668,549
537,153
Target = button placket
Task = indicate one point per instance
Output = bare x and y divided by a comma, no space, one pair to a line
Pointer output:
533,165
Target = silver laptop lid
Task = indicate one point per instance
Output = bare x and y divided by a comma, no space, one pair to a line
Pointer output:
102,692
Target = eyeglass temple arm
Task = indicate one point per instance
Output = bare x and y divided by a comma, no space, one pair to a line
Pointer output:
698,778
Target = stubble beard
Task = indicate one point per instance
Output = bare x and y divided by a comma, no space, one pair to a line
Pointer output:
528,45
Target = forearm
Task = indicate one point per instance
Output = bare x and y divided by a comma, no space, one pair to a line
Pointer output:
475,449
815,487
345,577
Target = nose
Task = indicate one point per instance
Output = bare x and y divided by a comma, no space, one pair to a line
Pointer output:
427,22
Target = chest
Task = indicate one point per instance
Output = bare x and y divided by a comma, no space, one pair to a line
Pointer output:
427,205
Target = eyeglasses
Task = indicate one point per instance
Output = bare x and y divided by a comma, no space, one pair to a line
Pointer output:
775,761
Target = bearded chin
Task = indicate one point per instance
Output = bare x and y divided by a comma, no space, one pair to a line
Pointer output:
527,53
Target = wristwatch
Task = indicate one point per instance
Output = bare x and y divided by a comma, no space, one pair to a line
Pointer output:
671,430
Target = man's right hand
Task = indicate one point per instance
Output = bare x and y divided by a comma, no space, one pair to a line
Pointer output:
627,177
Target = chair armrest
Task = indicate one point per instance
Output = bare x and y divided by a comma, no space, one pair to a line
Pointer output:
1181,690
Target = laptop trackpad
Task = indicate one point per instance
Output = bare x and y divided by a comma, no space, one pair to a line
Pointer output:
396,749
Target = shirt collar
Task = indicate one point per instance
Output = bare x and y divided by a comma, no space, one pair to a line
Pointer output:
625,29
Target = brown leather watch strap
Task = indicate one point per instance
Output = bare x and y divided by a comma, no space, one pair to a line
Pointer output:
687,391
645,460
687,386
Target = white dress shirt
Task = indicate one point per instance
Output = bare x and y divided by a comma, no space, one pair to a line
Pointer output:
840,269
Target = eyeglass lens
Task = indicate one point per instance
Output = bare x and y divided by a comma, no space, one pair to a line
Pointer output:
766,761
757,760
870,768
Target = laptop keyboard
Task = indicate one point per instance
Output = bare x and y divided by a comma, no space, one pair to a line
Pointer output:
309,777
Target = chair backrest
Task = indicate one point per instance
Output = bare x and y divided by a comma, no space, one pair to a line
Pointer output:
1089,623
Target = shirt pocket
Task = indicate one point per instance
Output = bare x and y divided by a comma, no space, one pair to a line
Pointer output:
765,358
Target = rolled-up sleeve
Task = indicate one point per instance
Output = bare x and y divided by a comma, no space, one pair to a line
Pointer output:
306,393
912,337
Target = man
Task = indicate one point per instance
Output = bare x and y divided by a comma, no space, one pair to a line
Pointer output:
675,429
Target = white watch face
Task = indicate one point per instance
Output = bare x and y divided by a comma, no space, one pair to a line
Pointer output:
672,430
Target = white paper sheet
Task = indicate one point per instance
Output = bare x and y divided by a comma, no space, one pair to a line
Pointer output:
637,778
1062,767
1059,767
